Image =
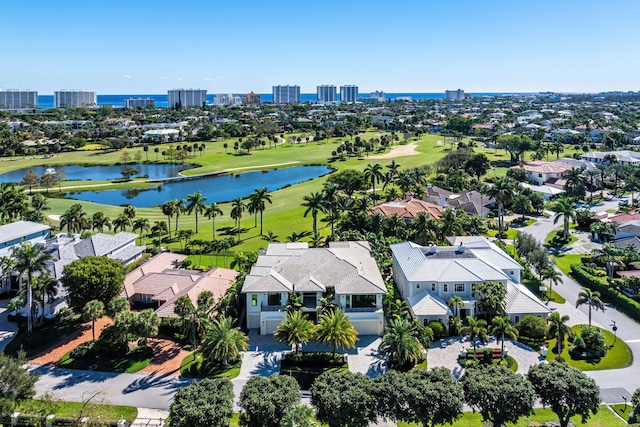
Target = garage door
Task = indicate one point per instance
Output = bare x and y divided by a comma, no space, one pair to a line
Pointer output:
271,326
369,327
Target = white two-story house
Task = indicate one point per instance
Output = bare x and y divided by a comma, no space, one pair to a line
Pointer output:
344,273
13,235
428,277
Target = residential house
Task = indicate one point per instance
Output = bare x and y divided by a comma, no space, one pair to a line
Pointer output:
344,272
624,157
158,283
14,234
545,173
408,209
472,202
428,277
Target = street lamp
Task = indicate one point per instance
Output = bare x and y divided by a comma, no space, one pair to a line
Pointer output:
625,403
614,328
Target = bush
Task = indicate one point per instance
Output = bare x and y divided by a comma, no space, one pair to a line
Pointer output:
532,327
438,328
593,338
83,351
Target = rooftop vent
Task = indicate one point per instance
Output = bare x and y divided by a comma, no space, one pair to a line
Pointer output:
433,249
461,248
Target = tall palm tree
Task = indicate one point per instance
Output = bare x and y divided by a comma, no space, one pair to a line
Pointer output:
181,207
400,344
147,325
213,210
522,204
159,228
502,192
591,299
476,329
564,207
373,174
296,329
335,329
501,327
46,288
259,197
591,176
99,221
92,311
39,204
30,260
313,202
557,327
330,201
554,276
196,203
130,212
142,225
455,303
237,208
169,209
223,342
575,183
121,223
611,256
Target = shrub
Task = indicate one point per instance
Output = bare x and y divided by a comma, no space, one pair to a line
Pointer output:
83,351
438,329
578,342
593,338
532,327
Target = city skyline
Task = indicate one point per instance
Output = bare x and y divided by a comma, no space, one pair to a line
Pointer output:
422,47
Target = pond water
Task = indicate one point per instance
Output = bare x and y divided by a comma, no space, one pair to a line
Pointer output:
99,173
214,188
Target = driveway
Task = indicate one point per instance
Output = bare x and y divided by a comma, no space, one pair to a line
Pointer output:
7,329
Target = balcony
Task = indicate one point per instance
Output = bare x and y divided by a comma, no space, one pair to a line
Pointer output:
361,309
265,307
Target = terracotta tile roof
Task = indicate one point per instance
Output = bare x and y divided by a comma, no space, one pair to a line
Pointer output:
540,166
625,217
408,209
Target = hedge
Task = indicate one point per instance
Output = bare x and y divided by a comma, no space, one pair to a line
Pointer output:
622,302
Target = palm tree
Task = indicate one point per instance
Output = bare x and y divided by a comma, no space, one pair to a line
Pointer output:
213,210
373,174
502,192
196,203
130,212
46,288
169,209
142,225
591,299
522,204
121,223
501,326
335,329
159,228
575,183
258,198
564,207
557,327
611,255
92,311
30,260
223,342
147,324
39,204
330,196
476,329
180,209
592,175
455,303
296,329
313,202
554,276
99,221
400,345
237,207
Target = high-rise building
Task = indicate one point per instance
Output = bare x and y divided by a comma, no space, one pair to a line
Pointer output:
378,95
327,93
139,102
178,98
74,98
251,98
286,94
227,99
14,99
348,93
454,95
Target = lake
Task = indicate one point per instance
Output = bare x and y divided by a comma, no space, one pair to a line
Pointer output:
215,188
99,173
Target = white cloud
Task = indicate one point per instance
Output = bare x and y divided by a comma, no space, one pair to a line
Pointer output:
179,79
126,77
210,79
163,78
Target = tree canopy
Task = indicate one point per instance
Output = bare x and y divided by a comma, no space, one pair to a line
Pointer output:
92,278
266,400
344,399
207,403
15,382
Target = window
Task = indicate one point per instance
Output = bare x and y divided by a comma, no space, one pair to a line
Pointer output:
254,300
539,175
363,301
459,287
274,299
445,288
511,272
433,287
418,286
517,318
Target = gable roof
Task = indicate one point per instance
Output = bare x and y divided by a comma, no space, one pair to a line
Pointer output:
520,300
408,208
19,229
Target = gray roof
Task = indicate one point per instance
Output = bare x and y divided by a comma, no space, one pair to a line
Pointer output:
18,229
626,241
426,304
346,266
520,300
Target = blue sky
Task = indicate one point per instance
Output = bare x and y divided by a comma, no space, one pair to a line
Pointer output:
140,46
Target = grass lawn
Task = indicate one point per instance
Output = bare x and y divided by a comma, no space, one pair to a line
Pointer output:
618,356
191,369
604,418
551,239
511,233
133,361
622,410
43,338
564,262
72,409
534,286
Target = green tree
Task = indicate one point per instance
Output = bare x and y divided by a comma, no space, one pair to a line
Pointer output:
146,325
314,204
92,311
194,318
400,344
554,276
373,174
591,299
196,204
92,277
476,329
635,402
299,416
296,329
335,329
17,384
502,192
30,179
564,207
344,399
491,297
501,327
206,403
478,165
213,210
266,400
566,390
259,198
99,221
159,228
500,395
237,208
557,327
522,205
169,209
30,260
223,342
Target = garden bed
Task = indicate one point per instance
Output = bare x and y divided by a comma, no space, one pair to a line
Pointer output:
305,367
134,360
201,369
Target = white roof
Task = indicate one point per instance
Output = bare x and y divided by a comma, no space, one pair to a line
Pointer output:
19,229
544,189
425,304
520,300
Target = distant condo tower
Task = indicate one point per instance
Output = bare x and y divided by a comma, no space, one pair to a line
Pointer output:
139,102
348,93
251,99
15,99
74,98
178,98
454,95
327,93
227,99
286,94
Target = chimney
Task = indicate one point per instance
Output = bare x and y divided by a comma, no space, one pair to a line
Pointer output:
408,196
433,248
461,248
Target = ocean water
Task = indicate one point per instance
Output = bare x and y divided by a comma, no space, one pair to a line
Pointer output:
46,101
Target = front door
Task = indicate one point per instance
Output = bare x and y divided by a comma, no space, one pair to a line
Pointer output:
464,312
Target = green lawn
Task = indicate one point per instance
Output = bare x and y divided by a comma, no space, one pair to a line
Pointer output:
623,410
551,237
62,409
564,262
133,361
534,286
618,356
511,233
191,369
